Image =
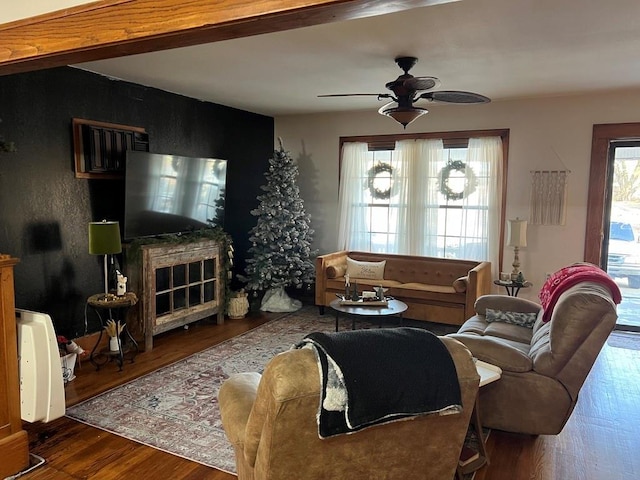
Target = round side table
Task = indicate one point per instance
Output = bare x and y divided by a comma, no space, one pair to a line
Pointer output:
512,288
113,308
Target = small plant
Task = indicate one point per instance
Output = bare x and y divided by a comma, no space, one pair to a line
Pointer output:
113,329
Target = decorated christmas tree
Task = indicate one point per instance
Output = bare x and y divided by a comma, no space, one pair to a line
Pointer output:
280,255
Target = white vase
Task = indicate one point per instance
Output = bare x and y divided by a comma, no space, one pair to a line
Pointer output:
68,363
113,344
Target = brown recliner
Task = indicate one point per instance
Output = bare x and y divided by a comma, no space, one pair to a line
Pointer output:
544,367
271,421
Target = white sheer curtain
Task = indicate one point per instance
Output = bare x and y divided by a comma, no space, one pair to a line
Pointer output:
414,206
485,157
352,204
417,162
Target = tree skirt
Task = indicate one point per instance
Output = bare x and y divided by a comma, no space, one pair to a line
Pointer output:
175,408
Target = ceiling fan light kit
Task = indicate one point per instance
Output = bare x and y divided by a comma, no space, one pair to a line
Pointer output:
405,90
403,115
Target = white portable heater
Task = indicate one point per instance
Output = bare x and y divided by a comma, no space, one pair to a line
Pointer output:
41,383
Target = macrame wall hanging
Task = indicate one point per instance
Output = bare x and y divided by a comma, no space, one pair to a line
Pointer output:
548,204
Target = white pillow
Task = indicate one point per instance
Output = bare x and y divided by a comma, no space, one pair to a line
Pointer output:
368,270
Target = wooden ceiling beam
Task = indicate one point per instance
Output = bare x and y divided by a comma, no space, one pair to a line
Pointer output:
114,28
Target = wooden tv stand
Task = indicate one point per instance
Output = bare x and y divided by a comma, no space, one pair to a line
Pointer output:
177,284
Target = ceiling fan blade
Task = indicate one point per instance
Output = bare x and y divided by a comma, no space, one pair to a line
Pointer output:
454,96
384,95
421,83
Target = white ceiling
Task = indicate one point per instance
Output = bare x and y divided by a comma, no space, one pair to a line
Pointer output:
503,49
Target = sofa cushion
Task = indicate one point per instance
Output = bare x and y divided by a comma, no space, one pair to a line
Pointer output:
509,331
504,303
516,318
475,325
338,284
478,325
422,270
424,287
427,292
509,355
369,270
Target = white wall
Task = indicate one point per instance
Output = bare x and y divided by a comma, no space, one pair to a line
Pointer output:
550,133
14,10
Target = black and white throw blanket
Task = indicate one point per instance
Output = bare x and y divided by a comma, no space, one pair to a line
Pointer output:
376,376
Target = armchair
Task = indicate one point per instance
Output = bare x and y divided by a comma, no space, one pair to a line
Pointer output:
543,367
271,421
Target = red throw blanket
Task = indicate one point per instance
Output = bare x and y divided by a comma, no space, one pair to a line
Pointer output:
567,277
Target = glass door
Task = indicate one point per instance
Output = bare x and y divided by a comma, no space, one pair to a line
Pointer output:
622,244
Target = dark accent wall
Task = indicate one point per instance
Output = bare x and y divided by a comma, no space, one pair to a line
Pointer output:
44,209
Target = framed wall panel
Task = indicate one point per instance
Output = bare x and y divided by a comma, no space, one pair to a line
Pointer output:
100,148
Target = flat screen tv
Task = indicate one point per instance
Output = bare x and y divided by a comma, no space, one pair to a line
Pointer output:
168,194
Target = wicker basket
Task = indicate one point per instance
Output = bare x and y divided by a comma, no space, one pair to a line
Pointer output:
238,305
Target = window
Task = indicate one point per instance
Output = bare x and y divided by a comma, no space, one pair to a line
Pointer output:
440,197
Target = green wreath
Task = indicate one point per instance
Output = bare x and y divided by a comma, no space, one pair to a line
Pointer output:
371,177
470,180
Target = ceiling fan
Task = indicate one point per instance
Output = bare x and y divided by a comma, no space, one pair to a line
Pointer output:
407,90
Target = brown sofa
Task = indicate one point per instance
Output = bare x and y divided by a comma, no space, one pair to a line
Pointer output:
435,289
544,367
271,422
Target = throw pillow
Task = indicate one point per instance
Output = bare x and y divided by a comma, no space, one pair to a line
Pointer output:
460,284
366,270
335,271
517,318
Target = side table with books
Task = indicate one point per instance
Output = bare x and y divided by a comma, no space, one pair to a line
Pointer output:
470,459
512,286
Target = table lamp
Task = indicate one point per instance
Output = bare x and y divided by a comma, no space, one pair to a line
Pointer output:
104,239
517,239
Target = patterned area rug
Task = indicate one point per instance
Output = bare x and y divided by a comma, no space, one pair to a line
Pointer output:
175,408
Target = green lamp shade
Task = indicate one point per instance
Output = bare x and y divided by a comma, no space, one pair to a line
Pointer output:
104,238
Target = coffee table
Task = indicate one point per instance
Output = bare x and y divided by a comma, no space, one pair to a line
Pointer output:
393,308
488,374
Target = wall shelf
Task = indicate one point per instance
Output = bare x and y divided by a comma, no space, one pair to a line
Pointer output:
100,148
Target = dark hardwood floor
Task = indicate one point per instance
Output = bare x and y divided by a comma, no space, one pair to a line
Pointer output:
600,441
